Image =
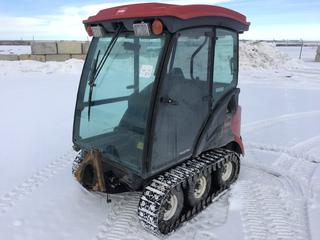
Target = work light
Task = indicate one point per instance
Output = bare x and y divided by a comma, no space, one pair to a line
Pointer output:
141,29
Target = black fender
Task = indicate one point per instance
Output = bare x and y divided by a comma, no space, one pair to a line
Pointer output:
217,131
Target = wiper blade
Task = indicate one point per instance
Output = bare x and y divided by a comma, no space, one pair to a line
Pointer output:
92,84
97,70
107,52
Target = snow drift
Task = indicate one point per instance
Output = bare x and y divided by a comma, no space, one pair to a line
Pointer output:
72,66
264,55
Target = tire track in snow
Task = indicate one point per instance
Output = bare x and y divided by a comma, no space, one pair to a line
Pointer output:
308,146
250,127
269,212
293,162
273,206
284,210
315,187
292,152
122,221
10,198
269,177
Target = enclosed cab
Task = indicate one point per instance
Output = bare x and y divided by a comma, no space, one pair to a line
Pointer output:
158,88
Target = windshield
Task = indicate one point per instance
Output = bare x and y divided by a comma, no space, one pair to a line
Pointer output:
113,116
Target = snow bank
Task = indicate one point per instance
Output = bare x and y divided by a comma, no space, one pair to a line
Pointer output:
15,49
253,55
69,66
262,55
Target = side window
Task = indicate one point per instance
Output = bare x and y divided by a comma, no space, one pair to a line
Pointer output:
225,62
190,57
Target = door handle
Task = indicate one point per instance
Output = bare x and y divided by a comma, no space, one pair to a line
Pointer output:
168,100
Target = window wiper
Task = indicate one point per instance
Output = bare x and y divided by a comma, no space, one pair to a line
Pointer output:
92,84
98,67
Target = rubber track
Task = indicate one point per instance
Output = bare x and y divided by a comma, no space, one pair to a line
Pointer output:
156,192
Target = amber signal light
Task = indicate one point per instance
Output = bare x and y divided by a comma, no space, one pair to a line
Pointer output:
157,27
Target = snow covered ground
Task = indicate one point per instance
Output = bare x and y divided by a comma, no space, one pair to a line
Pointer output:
276,197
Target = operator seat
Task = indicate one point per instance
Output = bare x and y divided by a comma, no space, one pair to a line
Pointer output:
136,115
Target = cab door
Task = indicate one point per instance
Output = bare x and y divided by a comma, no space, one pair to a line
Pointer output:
184,98
225,93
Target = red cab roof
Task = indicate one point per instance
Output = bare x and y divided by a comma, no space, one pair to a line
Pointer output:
165,10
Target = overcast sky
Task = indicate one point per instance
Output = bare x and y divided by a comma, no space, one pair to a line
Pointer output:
60,19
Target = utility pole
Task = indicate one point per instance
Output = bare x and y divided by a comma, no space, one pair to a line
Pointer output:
301,48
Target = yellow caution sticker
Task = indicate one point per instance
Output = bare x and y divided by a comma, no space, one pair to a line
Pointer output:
140,145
